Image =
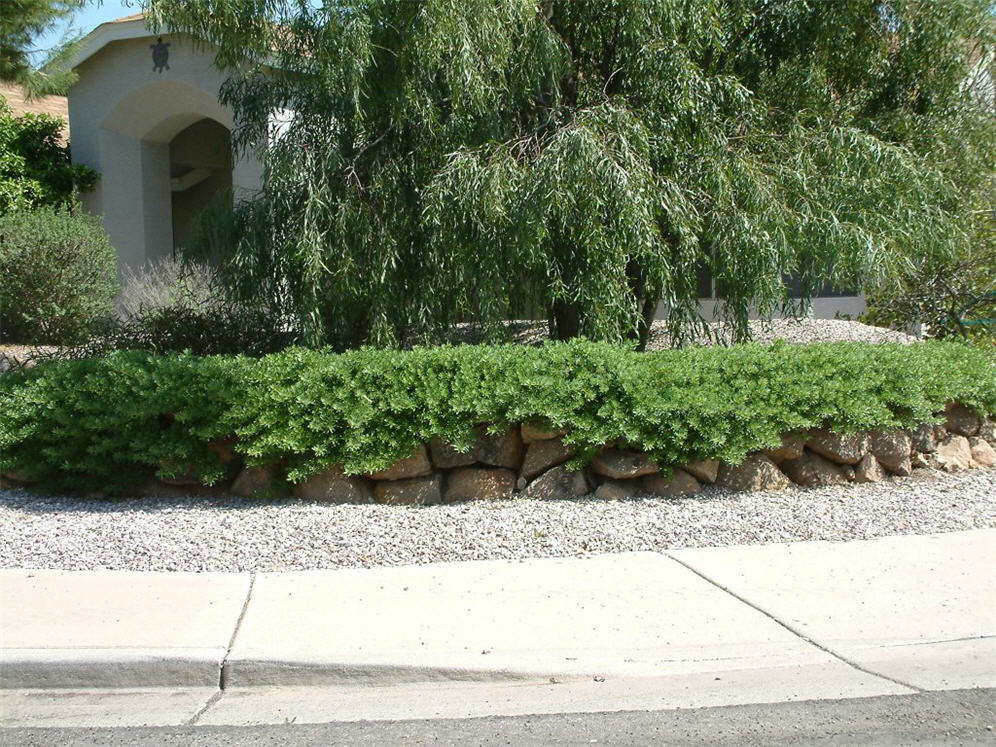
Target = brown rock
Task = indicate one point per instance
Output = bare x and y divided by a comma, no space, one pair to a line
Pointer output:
680,483
224,449
445,456
417,490
923,461
837,447
541,455
987,431
954,454
497,450
417,465
557,483
253,482
848,471
892,449
334,486
623,465
706,470
983,454
961,420
869,470
468,483
791,448
812,471
757,472
614,490
531,433
924,438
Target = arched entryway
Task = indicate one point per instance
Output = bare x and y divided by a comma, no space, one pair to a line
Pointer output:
200,170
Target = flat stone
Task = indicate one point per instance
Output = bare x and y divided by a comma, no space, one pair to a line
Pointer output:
983,454
757,472
706,470
622,465
838,447
961,420
812,471
417,490
954,454
532,433
680,483
416,465
791,448
253,482
469,483
892,449
542,455
334,486
869,470
614,490
557,484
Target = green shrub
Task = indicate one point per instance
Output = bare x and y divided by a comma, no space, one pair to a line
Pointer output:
111,422
57,275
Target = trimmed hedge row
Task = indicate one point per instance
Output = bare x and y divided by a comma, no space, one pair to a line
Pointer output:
110,423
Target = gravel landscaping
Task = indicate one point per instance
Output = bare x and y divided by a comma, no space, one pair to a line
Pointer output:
199,534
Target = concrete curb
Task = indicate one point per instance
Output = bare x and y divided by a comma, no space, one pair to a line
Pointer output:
109,668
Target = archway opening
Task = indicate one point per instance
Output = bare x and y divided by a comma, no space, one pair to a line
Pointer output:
200,169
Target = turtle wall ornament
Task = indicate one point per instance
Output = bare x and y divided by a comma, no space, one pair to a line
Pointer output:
160,55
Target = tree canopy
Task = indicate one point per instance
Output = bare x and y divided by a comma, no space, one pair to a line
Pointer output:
588,159
21,23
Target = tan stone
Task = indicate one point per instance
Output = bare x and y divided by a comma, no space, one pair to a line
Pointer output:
680,483
623,465
983,454
541,455
923,461
791,448
532,433
961,420
954,454
812,470
987,431
417,490
557,483
892,449
469,483
838,447
334,486
445,456
848,471
614,490
496,449
869,470
253,482
416,465
756,472
706,470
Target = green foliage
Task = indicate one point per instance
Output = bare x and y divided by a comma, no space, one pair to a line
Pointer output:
57,275
21,23
470,159
112,422
35,168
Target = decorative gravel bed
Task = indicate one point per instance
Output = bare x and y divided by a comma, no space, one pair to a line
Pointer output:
197,534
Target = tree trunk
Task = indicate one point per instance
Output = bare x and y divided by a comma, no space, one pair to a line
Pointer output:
567,319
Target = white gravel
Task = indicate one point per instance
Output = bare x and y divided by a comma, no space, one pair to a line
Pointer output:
198,534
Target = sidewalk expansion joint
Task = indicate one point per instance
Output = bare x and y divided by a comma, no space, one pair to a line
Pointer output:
224,660
794,630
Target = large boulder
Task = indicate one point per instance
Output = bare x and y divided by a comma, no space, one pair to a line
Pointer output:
983,454
812,471
892,449
557,483
615,490
623,465
468,483
416,465
791,448
987,431
954,454
679,483
335,486
495,449
869,470
445,456
838,447
756,472
925,437
542,455
253,482
705,470
419,490
531,433
961,420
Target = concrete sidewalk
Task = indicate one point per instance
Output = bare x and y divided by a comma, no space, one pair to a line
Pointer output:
703,626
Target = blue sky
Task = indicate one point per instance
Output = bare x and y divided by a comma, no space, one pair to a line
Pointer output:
94,13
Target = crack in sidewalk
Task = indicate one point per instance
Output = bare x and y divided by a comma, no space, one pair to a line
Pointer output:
224,659
795,631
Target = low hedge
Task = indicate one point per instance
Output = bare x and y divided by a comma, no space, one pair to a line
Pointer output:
113,422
